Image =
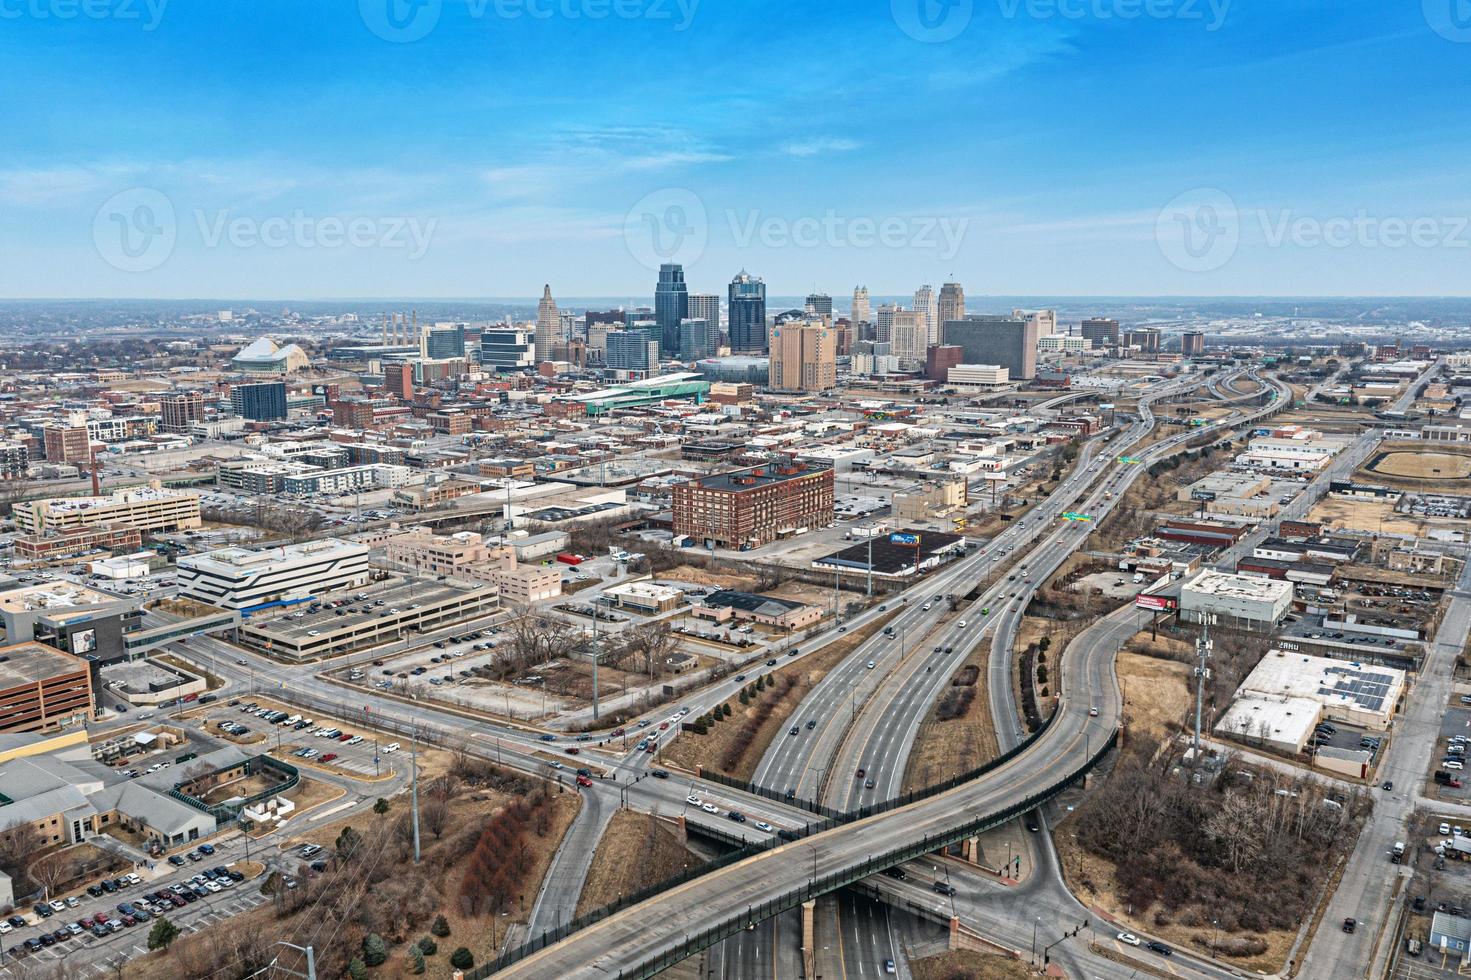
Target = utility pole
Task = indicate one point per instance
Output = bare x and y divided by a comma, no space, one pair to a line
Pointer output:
414,761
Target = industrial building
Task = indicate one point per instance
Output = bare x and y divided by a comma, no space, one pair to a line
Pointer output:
750,508
686,386
236,578
1285,697
1233,495
146,510
1235,600
42,688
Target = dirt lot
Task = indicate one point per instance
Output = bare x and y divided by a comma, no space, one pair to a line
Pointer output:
1364,515
636,851
770,710
701,576
1158,692
963,964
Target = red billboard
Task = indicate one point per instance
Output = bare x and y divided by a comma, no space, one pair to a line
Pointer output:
1158,603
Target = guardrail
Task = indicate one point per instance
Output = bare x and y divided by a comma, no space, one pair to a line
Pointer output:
812,889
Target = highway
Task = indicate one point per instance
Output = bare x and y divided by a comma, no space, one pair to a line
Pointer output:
662,928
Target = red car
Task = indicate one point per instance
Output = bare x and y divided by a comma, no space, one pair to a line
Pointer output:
617,732
329,757
663,725
100,918
574,750
583,781
652,747
344,736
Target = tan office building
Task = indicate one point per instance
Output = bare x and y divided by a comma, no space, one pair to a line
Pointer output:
803,357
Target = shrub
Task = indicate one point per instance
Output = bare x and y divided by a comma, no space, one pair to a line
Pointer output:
357,970
462,959
440,927
375,953
428,946
416,960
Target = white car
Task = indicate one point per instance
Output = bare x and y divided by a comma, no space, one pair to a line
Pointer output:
392,747
1445,828
1129,937
5,927
696,801
1452,764
212,885
765,827
871,665
709,808
960,625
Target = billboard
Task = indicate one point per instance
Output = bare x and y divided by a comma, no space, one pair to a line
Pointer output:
1158,603
84,641
912,540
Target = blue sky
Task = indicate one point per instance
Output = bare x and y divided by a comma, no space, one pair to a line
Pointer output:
290,149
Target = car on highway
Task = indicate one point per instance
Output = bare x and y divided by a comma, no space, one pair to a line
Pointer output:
1092,712
771,663
1350,924
943,888
764,826
794,730
694,800
1160,948
1128,938
659,773
709,808
960,625
871,665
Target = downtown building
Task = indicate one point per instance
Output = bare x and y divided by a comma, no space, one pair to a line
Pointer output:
746,306
1005,341
178,412
803,357
754,507
671,305
263,401
146,510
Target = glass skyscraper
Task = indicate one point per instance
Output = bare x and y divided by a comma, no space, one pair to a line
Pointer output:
671,304
746,300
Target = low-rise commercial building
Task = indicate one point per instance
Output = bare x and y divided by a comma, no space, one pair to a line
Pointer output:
77,541
762,609
1235,600
71,618
645,597
237,578
146,510
750,508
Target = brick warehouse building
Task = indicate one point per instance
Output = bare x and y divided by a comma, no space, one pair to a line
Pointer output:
42,688
754,507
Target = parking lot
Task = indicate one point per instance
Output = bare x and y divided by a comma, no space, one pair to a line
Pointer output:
1455,722
354,752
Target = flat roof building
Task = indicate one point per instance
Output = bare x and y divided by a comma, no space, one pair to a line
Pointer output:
753,507
1283,699
1236,600
41,688
146,510
237,578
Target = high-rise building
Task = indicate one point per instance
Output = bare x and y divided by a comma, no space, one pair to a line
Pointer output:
746,302
443,340
1005,341
548,324
697,339
909,337
671,304
67,444
1192,344
884,324
1101,331
1046,320
952,303
820,304
178,412
15,460
264,401
803,357
706,306
928,306
591,317
1146,339
939,359
398,381
862,310
631,351
507,349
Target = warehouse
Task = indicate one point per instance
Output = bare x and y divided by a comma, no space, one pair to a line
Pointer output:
1235,600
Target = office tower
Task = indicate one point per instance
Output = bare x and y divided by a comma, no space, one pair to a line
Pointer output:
746,299
952,303
637,313
67,443
632,351
803,357
507,349
706,306
1006,341
939,359
862,311
178,412
1102,332
548,323
820,304
398,381
884,324
1046,320
591,317
671,305
697,339
443,340
928,306
909,336
264,401
1192,344
1146,339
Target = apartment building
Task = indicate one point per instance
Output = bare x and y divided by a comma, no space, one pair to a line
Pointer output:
753,507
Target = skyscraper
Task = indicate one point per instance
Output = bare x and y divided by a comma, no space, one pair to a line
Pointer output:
952,303
632,352
1192,344
1046,320
884,325
671,304
862,311
507,349
803,357
706,306
928,307
746,298
1007,341
261,402
548,324
697,339
822,305
176,412
443,340
909,336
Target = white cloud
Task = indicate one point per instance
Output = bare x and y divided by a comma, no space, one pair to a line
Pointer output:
820,145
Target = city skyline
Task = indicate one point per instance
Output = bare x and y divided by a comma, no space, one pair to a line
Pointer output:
1052,170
